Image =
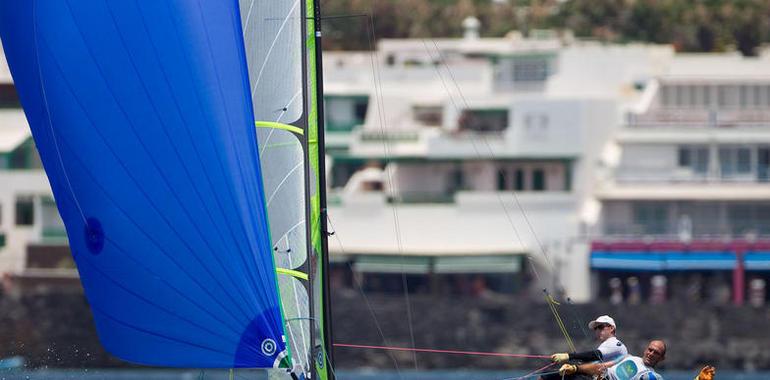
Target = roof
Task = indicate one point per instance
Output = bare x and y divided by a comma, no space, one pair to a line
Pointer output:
713,67
14,129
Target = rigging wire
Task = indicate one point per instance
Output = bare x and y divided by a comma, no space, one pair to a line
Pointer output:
371,38
535,373
439,351
369,307
483,138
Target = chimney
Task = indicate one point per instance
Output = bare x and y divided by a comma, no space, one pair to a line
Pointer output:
471,25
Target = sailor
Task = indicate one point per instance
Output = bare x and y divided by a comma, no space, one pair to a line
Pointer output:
629,368
609,351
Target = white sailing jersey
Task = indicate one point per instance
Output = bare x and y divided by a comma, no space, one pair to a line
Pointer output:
612,350
632,368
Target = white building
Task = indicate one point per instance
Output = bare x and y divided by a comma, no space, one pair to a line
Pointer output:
480,148
33,242
687,187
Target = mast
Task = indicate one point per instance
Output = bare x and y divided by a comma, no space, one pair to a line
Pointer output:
319,284
326,295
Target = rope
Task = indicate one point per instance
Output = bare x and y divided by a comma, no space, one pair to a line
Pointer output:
552,305
435,351
535,373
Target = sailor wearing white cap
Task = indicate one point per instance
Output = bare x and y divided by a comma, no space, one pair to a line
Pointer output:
610,350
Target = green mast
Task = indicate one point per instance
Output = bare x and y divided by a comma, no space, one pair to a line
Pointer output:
320,314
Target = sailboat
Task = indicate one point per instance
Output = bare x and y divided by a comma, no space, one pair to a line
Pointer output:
183,142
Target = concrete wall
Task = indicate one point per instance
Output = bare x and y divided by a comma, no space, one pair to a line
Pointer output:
56,330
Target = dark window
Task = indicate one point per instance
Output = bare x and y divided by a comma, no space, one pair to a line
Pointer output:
502,180
519,180
538,180
484,120
25,211
684,157
8,96
428,115
457,180
763,170
694,157
359,110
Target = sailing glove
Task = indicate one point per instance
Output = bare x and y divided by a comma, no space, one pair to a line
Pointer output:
567,369
559,358
707,373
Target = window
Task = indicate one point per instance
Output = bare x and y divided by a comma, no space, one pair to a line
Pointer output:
744,96
484,120
530,70
763,164
359,109
665,95
757,96
25,211
343,113
518,178
428,115
502,180
734,161
536,124
722,96
8,96
695,158
538,180
650,217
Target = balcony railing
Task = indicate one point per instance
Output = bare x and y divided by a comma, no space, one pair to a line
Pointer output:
699,230
400,136
700,118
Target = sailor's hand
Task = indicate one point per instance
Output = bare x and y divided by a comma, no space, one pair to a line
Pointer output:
559,358
567,369
707,373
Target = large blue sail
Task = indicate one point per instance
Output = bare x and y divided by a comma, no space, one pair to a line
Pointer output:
142,114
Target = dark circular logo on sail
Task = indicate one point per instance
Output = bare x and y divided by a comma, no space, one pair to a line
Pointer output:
94,236
319,358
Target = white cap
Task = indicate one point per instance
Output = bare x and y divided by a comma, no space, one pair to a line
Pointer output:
606,319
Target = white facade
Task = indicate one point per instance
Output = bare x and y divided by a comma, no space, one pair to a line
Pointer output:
477,154
698,144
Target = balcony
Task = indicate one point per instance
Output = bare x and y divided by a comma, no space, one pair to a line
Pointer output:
699,118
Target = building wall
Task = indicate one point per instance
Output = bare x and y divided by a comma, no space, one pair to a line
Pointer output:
21,183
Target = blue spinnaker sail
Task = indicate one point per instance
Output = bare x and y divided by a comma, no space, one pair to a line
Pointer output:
142,114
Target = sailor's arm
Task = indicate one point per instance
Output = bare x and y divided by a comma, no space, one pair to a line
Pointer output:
593,369
588,356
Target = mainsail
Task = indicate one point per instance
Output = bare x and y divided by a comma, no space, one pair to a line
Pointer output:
144,113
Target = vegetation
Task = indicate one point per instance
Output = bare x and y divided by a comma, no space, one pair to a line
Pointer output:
689,25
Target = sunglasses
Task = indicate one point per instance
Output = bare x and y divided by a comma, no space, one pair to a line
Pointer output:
600,327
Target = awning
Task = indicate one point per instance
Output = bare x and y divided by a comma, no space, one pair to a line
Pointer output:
663,261
627,261
393,264
477,264
437,264
757,261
